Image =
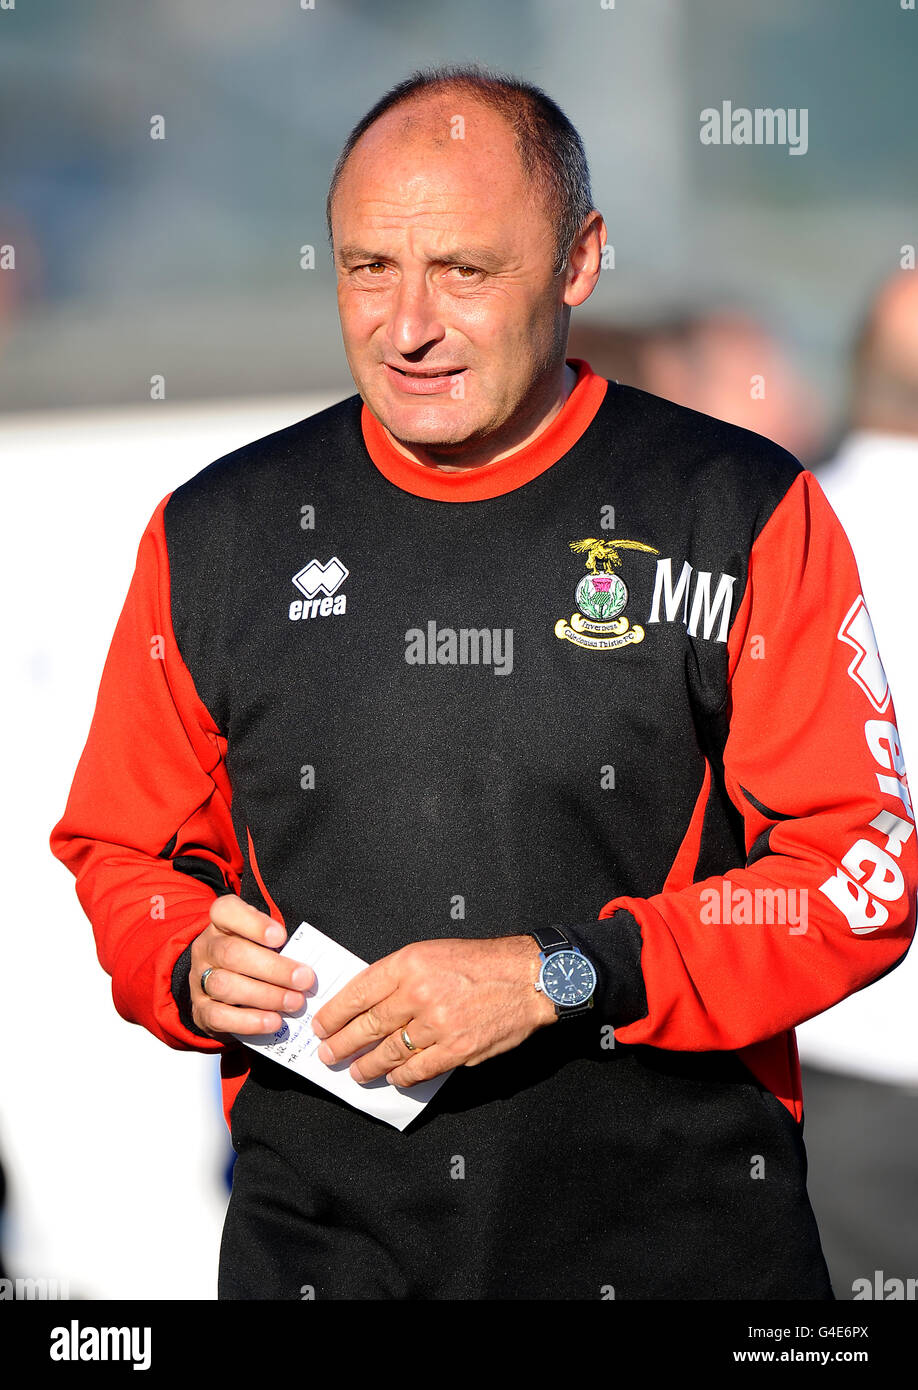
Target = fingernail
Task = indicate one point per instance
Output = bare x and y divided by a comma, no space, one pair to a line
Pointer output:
325,1053
275,934
319,1031
301,977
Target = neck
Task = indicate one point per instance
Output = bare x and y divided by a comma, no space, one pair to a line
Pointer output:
514,436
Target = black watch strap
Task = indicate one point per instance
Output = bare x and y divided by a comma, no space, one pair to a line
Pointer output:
551,939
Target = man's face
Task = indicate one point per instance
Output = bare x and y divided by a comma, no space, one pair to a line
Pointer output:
452,319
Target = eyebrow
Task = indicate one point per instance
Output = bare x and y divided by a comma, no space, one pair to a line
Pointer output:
484,256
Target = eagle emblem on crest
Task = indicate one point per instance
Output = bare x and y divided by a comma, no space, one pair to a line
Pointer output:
601,596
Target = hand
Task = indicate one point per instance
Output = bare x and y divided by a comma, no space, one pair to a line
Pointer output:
251,983
460,1001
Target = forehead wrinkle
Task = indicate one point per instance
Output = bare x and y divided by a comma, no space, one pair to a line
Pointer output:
462,217
436,240
441,205
403,172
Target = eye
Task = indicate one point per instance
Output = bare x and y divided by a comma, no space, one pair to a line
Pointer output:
469,268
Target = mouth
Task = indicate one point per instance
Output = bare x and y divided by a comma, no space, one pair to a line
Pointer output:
422,381
424,372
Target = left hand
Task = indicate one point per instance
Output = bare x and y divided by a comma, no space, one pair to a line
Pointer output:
461,1002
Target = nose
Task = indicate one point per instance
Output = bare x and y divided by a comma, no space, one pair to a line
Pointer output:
414,322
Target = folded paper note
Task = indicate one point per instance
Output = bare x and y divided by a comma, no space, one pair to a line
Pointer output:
295,1045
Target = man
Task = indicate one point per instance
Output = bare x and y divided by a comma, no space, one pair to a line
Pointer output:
553,646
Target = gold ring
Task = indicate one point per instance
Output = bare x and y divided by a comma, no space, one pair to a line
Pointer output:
412,1047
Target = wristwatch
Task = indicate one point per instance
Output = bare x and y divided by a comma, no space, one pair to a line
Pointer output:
567,977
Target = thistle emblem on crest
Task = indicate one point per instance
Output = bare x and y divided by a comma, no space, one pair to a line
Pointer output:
601,597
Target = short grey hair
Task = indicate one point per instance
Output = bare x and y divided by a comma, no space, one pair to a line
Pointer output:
550,150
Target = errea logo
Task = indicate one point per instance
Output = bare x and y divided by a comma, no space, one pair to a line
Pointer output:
314,579
866,668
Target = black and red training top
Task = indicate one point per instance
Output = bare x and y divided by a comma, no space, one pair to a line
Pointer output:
623,681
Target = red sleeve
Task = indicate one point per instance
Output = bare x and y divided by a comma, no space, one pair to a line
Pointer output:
151,788
826,901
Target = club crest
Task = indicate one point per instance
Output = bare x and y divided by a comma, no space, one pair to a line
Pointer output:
601,596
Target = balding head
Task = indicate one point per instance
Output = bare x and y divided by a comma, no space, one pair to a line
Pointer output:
546,143
437,154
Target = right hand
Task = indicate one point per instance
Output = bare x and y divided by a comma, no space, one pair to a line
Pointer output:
251,983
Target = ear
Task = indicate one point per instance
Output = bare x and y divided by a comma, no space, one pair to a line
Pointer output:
585,260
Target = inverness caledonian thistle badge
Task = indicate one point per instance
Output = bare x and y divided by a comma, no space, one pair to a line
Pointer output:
601,598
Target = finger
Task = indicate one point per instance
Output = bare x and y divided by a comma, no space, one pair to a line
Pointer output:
230,913
220,1019
377,1023
239,956
422,1066
224,987
391,1052
364,992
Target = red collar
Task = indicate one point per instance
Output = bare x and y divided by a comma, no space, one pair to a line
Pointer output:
491,479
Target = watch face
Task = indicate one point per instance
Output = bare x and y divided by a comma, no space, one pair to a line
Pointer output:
568,978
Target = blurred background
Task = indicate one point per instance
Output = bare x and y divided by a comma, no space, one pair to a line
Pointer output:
167,294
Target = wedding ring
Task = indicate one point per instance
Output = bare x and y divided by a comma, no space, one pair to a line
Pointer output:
412,1047
208,971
